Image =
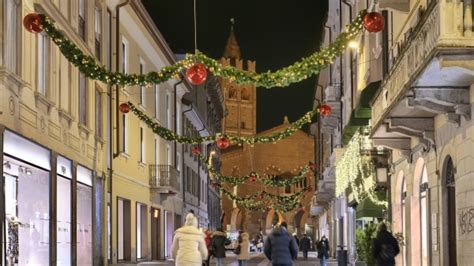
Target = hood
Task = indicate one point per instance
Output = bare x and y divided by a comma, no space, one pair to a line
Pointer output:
279,231
190,230
219,233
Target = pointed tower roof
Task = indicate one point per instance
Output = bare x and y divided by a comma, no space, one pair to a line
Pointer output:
232,48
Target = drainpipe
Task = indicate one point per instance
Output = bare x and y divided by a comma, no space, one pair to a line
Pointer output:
176,121
184,185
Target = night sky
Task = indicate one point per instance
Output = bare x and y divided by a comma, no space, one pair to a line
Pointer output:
273,33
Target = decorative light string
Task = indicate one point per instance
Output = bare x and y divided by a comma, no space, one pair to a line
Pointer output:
296,72
171,136
357,173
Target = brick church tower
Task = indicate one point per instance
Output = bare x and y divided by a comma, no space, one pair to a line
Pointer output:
240,100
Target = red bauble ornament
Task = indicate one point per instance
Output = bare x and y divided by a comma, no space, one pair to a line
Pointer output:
325,110
312,166
196,150
253,176
197,74
124,108
223,143
374,22
32,23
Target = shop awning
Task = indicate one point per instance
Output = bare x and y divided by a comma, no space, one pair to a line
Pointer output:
367,208
362,113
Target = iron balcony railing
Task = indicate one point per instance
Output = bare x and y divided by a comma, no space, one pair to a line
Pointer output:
162,176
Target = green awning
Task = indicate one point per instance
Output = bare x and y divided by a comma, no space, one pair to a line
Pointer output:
362,113
367,208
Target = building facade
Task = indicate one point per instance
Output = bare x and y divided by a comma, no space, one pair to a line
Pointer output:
408,88
202,116
84,183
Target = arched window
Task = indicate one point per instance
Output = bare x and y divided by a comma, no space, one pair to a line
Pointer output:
449,211
245,94
232,92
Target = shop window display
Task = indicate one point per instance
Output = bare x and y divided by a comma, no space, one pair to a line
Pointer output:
84,216
27,213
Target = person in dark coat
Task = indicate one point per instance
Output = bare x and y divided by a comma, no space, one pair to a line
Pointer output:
305,244
219,241
323,250
385,247
280,247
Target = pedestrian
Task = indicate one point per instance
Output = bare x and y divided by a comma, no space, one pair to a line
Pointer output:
260,244
280,247
323,250
385,247
296,239
189,246
305,244
219,241
208,240
244,247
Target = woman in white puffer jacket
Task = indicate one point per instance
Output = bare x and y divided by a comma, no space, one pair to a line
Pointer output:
189,247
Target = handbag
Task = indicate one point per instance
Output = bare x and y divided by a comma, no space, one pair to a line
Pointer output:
237,250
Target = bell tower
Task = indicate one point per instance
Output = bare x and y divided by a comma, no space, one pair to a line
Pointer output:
240,100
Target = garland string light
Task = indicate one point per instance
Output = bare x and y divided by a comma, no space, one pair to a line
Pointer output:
268,180
171,136
357,173
265,200
296,72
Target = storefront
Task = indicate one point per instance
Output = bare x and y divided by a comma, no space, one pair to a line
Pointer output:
47,206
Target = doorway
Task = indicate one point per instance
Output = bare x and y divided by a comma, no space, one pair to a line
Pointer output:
450,210
155,234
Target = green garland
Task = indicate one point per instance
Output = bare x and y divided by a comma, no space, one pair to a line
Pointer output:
264,200
171,136
296,72
268,180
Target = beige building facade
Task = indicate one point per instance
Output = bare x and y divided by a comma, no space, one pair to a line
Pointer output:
88,184
420,115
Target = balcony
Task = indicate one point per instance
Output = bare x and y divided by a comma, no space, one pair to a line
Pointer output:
431,75
164,179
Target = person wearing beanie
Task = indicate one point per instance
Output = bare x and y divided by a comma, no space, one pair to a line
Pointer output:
219,241
189,247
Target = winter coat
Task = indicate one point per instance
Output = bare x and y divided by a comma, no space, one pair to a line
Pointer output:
323,248
189,247
208,240
305,243
385,241
219,241
280,247
244,247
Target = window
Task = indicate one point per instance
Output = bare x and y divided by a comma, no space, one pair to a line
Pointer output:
124,56
43,62
142,87
109,39
82,99
245,94
168,111
82,19
232,93
98,113
12,35
124,133
142,146
168,154
157,102
242,124
123,230
157,153
98,32
424,217
403,197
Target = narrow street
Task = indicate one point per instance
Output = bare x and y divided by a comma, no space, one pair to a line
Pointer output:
256,259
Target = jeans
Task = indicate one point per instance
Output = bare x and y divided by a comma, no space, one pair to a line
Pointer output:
324,261
242,262
220,261
305,254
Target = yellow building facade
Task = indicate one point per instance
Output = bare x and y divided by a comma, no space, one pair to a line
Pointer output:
83,182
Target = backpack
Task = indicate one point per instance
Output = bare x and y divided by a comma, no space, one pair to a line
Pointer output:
387,252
